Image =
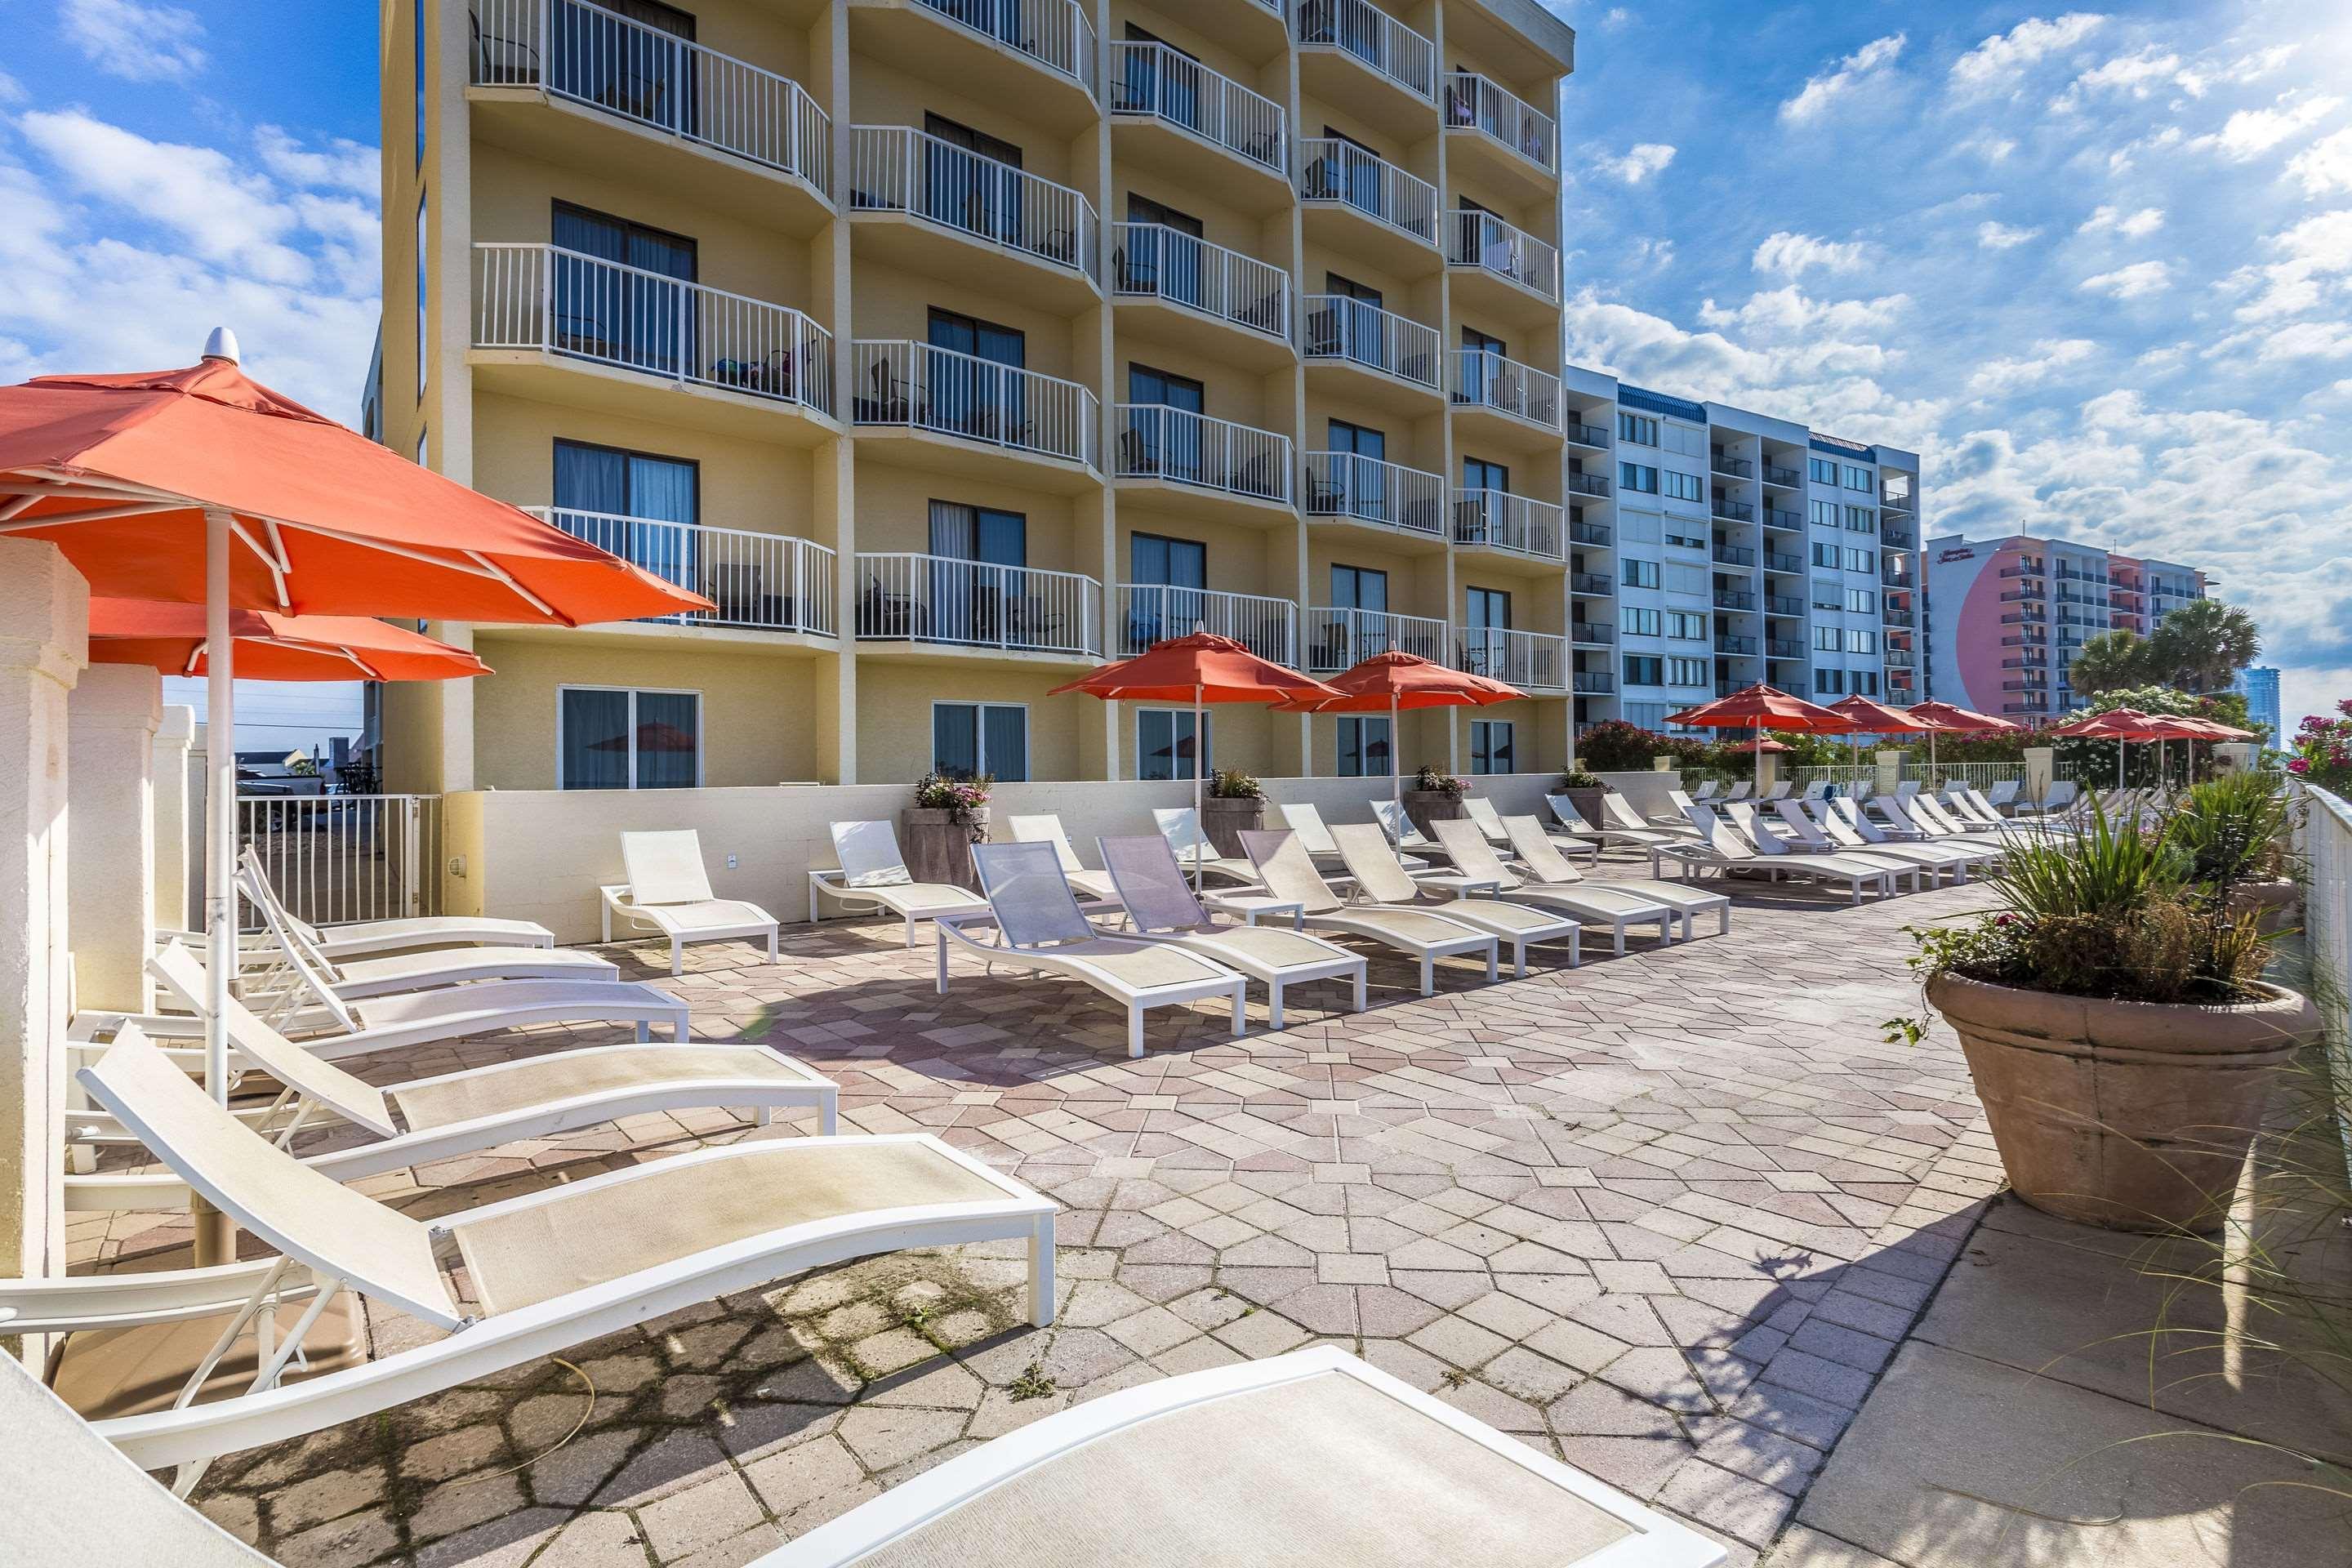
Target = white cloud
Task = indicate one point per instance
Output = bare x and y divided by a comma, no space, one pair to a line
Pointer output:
2141,278
137,42
1640,162
1991,148
2131,225
1821,92
2315,256
11,89
1654,252
2000,377
2249,132
2137,76
2002,236
2001,59
343,164
2324,168
1788,254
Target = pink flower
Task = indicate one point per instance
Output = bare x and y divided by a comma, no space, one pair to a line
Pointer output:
2297,765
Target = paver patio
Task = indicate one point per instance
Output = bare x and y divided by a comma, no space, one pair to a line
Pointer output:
1666,1217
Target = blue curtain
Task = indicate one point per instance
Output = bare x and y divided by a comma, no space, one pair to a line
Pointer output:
1005,731
670,739
595,740
955,739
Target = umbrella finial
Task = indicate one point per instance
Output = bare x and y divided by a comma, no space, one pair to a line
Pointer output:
221,344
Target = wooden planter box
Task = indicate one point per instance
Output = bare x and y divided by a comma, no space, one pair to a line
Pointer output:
937,847
1427,805
1225,820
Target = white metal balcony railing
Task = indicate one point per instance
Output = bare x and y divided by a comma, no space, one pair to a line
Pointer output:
1154,261
1330,170
589,55
977,604
955,393
1056,34
1484,379
1336,638
1475,103
1481,239
1154,81
1344,484
1340,327
1151,612
1529,661
1501,520
561,301
766,582
1373,36
1157,442
896,168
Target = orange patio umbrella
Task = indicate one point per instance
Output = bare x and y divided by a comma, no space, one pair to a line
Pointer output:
171,639
1196,670
1760,708
1959,720
1394,681
2120,725
1877,718
201,485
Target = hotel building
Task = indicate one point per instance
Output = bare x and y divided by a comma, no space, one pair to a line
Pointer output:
2007,616
950,347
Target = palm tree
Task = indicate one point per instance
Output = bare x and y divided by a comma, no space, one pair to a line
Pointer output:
2201,646
2110,661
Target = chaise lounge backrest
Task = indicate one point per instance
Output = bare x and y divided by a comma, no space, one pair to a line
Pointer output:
666,868
1034,904
870,857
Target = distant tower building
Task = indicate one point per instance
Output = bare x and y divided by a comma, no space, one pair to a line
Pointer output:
2259,685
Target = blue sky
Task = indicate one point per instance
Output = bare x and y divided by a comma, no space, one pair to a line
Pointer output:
2095,264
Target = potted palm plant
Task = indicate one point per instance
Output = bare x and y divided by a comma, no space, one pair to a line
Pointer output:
1235,801
2234,832
2116,1026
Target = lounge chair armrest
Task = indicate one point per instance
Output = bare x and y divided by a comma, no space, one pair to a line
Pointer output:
1459,886
103,1300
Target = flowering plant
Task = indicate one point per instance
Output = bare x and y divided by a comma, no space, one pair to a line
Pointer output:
2322,749
958,797
1436,780
1231,784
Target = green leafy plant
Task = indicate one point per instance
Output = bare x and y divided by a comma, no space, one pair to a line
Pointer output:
1435,780
1231,784
1576,778
961,798
2232,829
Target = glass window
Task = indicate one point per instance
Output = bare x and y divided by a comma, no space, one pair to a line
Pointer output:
1861,560
616,738
976,740
1822,470
1827,594
1638,622
1865,681
1683,487
1823,513
424,359
1638,429
1827,682
1826,554
1638,477
1641,573
1685,672
1861,601
1859,641
1359,588
418,11
1166,746
1686,626
1861,519
1490,747
1363,747
1827,638
1644,669
1859,478
640,507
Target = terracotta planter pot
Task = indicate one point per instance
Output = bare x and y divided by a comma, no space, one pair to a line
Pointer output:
2130,1115
1427,805
1224,821
1588,804
2276,905
937,847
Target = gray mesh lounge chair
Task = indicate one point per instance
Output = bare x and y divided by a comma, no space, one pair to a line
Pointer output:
1040,927
360,939
1809,838
1383,879
874,878
1407,838
1046,829
540,1272
1276,1452
669,890
1482,815
1595,903
1189,842
1751,827
1306,821
1546,868
1422,934
1161,907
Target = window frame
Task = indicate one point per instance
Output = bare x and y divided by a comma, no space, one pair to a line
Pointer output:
980,733
1510,744
702,746
1200,754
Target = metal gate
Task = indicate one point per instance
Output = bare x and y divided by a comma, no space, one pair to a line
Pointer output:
337,858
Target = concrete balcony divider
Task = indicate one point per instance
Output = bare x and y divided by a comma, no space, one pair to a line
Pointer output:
1152,612
1330,170
1338,638
1157,442
1344,484
561,301
1151,80
954,394
1382,43
977,604
1056,34
1362,333
1482,240
760,581
1500,521
898,169
1150,260
1474,102
586,54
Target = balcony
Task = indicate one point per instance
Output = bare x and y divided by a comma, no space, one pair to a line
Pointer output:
2020,620
1173,108
1501,267
1017,232
1723,462
1784,478
1590,633
1895,617
1352,52
1179,282
1502,133
755,582
1787,605
1739,646
1248,468
939,601
1532,661
1151,612
1735,510
1358,203
1896,500
1579,434
1595,585
2026,661
2028,571
1516,525
2026,593
1338,638
1783,647
1896,536
1588,484
583,86
1734,555
1734,599
969,414
1593,683
1784,520
558,326
1039,54
1897,658
1342,487
1894,577
1594,533
1390,357
1506,401
1781,562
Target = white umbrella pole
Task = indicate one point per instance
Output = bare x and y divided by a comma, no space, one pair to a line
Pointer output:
1201,845
1396,765
216,1236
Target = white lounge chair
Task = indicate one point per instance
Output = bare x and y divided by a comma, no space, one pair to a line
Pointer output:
1546,867
1741,790
362,939
1810,836
1845,828
2004,793
1778,791
1161,907
1488,819
1040,927
2060,798
1721,850
1306,821
669,890
1289,875
1382,878
873,878
1593,903
1278,1453
1706,790
455,1113
1621,815
1603,835
1403,835
1934,826
1189,842
1906,788
1045,827
1775,844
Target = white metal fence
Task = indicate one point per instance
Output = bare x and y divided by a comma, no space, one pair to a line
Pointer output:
1373,36
1345,484
1529,660
1336,638
1357,331
766,582
1475,103
1158,442
1151,612
1501,520
896,168
561,301
589,55
962,394
1330,170
1151,78
1154,261
1481,239
335,857
977,604
2324,838
1054,33
1484,379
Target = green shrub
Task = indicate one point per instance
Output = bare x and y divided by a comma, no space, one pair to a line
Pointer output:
1579,779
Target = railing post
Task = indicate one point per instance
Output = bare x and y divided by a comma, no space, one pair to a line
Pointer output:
411,888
